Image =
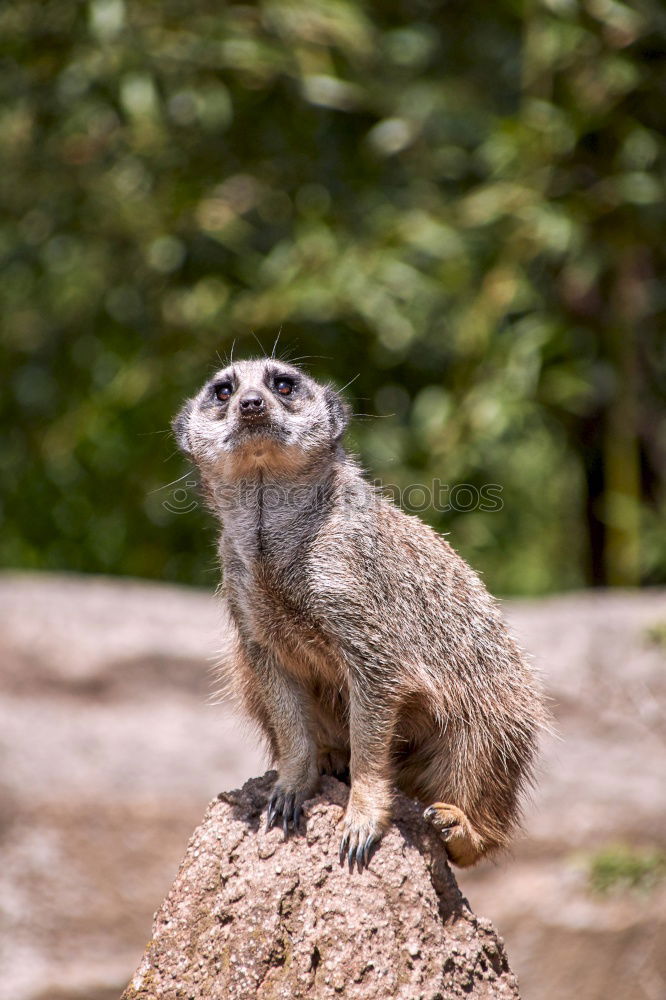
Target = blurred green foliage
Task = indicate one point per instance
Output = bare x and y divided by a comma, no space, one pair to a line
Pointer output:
655,635
462,203
621,867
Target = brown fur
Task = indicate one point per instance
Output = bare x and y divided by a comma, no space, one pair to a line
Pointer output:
360,636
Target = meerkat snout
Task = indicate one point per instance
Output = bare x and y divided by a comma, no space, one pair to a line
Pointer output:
252,406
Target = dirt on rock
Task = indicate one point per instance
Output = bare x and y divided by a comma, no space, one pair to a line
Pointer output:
251,915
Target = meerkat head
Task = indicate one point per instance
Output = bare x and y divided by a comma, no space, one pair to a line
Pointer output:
261,414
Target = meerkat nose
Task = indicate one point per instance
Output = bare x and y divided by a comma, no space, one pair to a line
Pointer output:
252,404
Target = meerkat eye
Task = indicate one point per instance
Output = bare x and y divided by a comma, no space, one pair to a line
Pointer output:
223,391
284,385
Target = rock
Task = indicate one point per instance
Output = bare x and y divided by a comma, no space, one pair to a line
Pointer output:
251,915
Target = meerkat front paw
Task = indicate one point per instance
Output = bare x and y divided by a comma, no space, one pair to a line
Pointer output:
358,842
285,807
286,801
362,830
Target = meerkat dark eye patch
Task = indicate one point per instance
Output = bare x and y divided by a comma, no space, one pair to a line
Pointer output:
284,384
223,391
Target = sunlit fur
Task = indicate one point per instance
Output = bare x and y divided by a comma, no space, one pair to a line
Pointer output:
354,630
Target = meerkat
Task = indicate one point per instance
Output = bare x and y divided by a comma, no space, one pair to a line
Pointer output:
361,640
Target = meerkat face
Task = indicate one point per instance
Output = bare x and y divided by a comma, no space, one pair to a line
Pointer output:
259,414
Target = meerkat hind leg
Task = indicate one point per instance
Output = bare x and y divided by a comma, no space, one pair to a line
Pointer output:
334,761
423,774
463,844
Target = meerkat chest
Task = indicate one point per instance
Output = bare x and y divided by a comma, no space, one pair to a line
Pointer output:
272,605
270,601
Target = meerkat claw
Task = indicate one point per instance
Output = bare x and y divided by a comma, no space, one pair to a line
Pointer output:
285,808
368,846
357,850
288,813
272,813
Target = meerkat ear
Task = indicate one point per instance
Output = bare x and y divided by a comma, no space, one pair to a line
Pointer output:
180,427
338,413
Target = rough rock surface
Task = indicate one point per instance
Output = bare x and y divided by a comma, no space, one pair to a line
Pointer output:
252,915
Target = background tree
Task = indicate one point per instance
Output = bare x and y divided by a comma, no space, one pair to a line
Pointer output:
460,204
